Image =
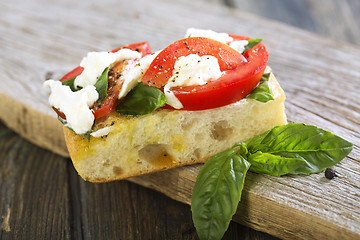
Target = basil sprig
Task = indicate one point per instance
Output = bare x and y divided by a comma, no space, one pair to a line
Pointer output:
262,92
142,99
289,149
251,43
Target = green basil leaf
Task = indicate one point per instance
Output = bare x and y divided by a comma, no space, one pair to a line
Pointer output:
262,92
217,192
142,99
273,165
101,85
251,43
70,83
319,149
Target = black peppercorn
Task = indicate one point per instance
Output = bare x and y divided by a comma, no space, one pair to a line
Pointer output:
330,173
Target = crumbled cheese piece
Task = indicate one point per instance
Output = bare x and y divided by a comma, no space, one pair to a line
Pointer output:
239,45
133,76
95,63
75,105
101,132
221,37
191,70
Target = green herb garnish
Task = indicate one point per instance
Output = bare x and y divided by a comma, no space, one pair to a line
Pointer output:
217,192
142,99
101,85
290,149
70,83
251,43
262,92
316,149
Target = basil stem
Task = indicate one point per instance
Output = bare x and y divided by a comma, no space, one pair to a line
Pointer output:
217,193
142,99
262,92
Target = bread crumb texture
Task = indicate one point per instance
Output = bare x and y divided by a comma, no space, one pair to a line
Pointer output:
167,138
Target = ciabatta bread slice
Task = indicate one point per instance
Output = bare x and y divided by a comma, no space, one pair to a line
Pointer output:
166,138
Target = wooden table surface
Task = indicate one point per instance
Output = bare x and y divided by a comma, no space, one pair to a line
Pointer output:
42,197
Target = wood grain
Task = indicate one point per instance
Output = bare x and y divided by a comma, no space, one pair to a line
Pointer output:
308,67
331,18
19,199
38,204
73,209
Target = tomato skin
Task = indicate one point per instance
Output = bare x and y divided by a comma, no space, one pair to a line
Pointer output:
241,73
219,95
72,74
160,70
141,47
114,85
238,37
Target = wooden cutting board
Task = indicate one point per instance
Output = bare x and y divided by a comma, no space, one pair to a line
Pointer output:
41,40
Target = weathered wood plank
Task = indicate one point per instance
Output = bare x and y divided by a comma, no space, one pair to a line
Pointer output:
303,70
107,213
50,201
330,18
24,179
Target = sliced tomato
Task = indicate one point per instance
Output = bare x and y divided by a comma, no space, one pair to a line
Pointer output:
72,74
141,47
238,37
240,76
114,82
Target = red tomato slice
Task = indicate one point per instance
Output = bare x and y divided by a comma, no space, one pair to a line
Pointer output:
241,73
114,83
114,86
72,74
238,37
141,47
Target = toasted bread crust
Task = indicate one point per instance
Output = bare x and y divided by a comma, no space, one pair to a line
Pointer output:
170,138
